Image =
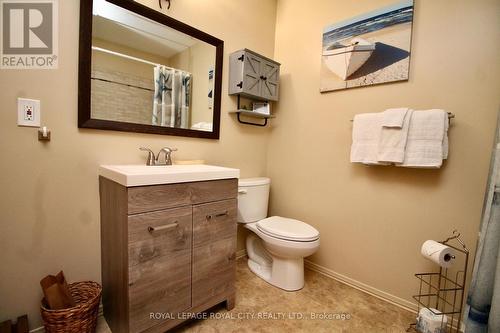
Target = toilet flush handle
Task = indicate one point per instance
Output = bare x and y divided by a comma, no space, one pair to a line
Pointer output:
242,191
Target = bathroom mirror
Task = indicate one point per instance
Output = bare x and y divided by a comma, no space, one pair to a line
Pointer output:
142,71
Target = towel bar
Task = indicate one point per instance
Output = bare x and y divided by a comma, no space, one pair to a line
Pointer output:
450,116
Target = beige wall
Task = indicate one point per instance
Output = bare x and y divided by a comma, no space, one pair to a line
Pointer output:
182,60
197,60
203,56
49,209
119,64
373,219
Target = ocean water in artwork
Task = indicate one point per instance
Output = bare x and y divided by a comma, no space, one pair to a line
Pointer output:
340,32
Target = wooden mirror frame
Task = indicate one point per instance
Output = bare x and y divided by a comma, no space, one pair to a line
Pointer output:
84,73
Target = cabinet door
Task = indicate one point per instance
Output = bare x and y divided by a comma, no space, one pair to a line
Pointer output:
251,74
159,248
270,80
214,251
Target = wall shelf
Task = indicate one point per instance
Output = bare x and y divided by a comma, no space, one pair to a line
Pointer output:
256,78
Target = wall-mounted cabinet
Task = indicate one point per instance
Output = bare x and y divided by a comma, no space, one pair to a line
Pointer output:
254,76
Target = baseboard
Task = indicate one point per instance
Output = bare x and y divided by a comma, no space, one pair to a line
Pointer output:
241,253
41,328
398,301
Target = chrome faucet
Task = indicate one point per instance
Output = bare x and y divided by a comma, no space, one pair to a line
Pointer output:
152,160
151,156
168,155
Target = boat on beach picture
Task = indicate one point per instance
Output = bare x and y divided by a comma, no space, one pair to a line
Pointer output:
344,60
367,49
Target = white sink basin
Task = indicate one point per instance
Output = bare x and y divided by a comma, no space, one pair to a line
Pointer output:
140,175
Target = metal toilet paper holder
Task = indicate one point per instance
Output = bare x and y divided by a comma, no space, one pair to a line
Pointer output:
444,290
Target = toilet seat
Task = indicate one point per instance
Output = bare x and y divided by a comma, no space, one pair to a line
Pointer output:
287,229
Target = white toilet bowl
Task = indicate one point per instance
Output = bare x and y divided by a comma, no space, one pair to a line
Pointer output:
278,245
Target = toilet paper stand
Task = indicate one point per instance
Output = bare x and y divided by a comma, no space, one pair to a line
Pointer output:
442,293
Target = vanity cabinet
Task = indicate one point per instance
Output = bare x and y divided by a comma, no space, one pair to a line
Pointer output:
254,76
167,251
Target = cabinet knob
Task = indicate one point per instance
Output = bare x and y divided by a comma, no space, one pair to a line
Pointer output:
262,77
240,84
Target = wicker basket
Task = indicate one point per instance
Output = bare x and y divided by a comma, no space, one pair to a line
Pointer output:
81,318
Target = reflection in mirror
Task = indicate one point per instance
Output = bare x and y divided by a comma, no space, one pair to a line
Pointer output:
147,73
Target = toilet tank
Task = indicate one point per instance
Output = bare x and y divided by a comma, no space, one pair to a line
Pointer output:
253,199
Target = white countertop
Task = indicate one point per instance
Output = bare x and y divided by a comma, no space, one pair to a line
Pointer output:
141,175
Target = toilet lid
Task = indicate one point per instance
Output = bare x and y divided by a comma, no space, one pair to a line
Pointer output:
288,229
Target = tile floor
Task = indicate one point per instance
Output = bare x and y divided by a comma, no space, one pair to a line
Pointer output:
321,295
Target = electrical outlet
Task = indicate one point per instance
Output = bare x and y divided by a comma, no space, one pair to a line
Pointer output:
28,112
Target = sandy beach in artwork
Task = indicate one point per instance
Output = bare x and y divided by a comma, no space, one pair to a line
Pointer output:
389,62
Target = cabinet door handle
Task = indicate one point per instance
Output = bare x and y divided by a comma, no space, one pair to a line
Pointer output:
240,85
211,216
262,77
163,227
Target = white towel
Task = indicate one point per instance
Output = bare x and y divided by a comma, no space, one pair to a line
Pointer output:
365,138
394,117
392,144
202,126
426,139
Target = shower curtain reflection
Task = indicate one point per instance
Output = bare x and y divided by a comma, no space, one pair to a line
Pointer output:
171,98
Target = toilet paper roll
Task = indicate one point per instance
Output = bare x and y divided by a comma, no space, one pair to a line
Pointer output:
431,321
441,254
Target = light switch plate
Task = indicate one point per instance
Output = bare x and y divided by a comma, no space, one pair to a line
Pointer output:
28,112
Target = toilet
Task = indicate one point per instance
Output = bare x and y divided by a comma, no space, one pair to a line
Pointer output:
277,246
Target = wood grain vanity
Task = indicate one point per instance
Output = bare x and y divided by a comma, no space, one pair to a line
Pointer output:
167,250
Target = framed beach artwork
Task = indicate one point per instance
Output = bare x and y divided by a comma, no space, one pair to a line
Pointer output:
368,49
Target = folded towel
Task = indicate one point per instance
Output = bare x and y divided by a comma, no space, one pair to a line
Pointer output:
365,138
426,139
392,143
394,117
202,126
